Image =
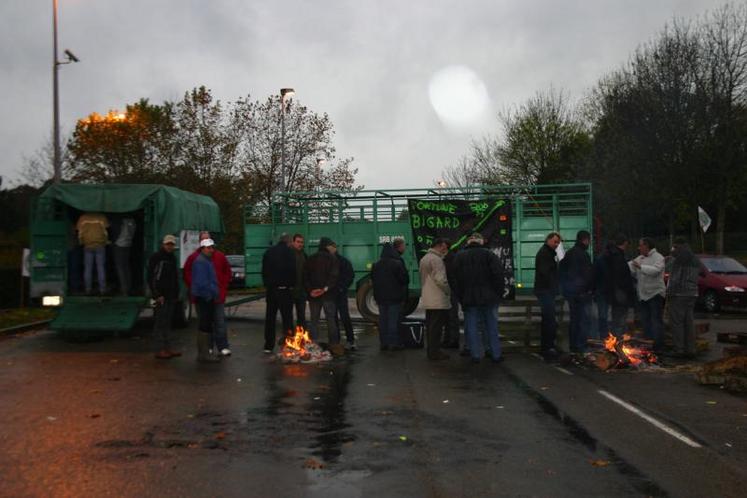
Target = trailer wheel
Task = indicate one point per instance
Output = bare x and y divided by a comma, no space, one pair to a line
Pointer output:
410,305
182,314
364,299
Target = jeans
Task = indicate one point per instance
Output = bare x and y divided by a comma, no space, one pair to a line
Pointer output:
436,322
162,316
278,299
300,305
389,324
489,315
682,323
330,314
122,263
617,321
220,335
549,326
601,322
651,318
206,315
99,255
580,322
343,316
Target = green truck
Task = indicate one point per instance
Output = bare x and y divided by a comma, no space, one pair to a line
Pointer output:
56,263
360,222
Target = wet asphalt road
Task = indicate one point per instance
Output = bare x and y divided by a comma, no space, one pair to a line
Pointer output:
107,419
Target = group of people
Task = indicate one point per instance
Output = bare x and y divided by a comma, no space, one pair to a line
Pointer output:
291,279
616,285
472,277
207,274
93,237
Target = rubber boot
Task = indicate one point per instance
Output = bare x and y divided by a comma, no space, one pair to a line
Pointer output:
203,349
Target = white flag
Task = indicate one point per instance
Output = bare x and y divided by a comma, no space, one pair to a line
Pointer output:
704,219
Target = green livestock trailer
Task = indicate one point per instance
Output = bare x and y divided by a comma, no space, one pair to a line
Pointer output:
361,221
56,259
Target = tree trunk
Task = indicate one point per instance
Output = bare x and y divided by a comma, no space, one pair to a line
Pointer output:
720,226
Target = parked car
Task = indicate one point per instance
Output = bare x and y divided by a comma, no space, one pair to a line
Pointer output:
722,284
237,270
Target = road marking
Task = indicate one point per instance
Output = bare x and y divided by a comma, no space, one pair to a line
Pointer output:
561,369
538,356
511,342
650,419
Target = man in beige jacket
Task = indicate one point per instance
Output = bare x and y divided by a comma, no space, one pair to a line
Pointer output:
435,296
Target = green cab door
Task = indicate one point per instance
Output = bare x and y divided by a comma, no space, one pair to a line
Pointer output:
49,247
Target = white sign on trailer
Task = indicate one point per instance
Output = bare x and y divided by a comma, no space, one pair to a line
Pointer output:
189,241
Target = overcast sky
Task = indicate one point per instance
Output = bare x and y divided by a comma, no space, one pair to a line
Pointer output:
368,64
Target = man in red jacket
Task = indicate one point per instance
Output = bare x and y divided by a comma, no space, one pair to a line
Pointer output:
223,272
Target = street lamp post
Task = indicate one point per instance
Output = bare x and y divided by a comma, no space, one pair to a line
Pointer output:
286,94
56,95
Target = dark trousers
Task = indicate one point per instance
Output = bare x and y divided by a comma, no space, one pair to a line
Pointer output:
651,318
682,323
436,322
282,300
617,320
580,322
330,314
602,322
206,315
549,326
299,303
452,328
162,315
343,316
389,324
122,264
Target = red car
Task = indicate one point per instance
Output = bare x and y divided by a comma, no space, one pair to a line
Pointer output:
722,284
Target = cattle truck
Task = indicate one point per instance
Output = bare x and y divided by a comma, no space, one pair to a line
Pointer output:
56,258
361,221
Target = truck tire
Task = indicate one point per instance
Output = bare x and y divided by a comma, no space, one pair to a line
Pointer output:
364,300
410,305
182,314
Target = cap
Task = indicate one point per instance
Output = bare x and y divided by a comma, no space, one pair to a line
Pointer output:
207,243
475,237
169,239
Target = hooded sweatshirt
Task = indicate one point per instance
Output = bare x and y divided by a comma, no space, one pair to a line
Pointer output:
390,278
322,270
683,281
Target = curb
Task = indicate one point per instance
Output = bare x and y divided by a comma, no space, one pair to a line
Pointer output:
23,327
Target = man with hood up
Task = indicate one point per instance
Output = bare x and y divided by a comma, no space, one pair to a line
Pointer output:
320,279
390,281
682,291
577,283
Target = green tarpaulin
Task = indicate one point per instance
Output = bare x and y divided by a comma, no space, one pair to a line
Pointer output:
175,209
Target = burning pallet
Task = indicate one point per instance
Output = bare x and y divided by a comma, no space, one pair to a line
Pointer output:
299,348
629,351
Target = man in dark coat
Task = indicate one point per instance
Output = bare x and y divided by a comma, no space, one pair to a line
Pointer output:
345,280
451,337
299,292
618,286
320,279
390,284
279,277
479,285
682,291
577,283
163,280
600,326
546,289
206,292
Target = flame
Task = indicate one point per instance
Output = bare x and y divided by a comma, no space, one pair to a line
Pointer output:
634,355
298,340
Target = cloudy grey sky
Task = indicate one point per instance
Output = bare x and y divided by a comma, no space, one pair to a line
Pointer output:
367,63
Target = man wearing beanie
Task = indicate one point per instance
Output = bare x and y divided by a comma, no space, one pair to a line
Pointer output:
320,278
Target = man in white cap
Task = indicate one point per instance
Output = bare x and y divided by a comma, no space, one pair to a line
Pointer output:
204,290
163,281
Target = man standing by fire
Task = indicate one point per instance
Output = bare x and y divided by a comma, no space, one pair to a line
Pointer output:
390,282
577,283
299,292
648,268
279,277
546,289
321,276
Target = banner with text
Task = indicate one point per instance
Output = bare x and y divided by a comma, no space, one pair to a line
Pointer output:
457,219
